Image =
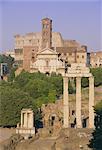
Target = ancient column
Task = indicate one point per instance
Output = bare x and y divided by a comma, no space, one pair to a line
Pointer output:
21,119
25,119
30,120
65,103
91,102
78,102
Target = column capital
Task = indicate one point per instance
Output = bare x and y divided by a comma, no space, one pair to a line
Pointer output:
78,77
91,77
65,77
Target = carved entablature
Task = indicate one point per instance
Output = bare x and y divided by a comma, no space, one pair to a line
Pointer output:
78,70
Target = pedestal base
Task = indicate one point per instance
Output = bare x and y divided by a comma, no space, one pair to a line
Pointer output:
26,133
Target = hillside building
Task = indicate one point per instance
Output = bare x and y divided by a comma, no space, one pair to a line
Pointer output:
47,51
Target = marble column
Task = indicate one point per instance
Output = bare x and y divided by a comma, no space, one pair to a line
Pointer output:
22,119
78,102
25,119
65,103
91,102
30,120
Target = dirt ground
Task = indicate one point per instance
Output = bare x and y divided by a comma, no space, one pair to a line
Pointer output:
5,133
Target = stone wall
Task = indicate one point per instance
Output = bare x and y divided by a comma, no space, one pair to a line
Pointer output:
96,59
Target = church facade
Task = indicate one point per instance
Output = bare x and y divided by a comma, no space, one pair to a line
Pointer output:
47,62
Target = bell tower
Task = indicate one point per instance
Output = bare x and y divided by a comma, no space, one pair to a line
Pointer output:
46,32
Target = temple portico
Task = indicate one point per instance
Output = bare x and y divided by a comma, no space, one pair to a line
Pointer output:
26,128
78,72
27,118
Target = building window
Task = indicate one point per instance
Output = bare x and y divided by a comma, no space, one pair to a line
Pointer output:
70,54
77,56
33,58
47,63
45,26
64,54
82,56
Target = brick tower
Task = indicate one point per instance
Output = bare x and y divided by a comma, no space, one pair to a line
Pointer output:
46,32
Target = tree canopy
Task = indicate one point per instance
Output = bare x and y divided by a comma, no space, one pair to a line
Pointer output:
32,90
27,90
97,73
9,60
96,141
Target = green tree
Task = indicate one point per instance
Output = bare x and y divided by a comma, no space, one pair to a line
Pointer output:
12,102
96,141
57,82
85,82
52,96
97,73
7,59
11,76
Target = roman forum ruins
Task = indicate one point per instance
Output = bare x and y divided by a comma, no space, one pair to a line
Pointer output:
49,59
78,72
26,127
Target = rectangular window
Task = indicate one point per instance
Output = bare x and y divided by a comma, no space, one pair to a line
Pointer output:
70,54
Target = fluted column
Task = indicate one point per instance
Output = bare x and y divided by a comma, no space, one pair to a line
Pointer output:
91,102
65,103
78,102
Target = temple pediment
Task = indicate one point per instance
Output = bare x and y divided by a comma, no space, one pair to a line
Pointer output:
47,51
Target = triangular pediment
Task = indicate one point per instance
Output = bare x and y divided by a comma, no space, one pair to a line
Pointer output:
47,51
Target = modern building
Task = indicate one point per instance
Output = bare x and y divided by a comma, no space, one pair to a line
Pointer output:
47,51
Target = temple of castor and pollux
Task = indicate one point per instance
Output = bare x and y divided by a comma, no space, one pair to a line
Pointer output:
59,115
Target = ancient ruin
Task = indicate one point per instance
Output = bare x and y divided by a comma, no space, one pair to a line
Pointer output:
26,128
78,71
52,115
62,114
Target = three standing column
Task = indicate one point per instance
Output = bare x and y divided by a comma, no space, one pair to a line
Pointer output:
91,102
78,102
65,103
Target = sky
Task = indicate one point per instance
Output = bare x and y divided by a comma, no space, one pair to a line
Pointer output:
79,20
